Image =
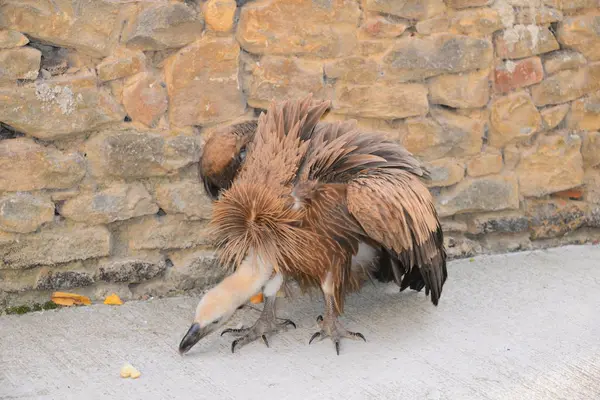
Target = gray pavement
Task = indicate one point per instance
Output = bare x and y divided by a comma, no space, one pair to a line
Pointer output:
515,326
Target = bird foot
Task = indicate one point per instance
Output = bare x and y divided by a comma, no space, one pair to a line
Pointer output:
262,327
332,328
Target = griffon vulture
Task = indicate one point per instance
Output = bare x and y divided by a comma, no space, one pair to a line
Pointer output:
322,203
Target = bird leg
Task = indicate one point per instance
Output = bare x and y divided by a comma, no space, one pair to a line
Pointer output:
265,325
331,327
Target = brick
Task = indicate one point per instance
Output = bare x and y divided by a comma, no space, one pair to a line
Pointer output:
512,75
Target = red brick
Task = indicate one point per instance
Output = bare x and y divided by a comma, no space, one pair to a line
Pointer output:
516,74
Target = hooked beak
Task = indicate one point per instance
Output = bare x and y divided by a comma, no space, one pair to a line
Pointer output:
193,336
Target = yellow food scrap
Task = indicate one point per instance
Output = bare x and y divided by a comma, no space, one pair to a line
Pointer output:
129,371
69,299
256,298
113,300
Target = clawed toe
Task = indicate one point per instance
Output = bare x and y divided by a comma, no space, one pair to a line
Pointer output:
236,332
286,323
333,329
260,329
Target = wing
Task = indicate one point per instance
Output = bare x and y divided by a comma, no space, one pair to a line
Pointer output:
339,151
395,209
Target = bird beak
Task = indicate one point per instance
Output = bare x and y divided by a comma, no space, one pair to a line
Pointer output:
193,336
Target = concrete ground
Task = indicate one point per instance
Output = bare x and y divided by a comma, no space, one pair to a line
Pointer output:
516,326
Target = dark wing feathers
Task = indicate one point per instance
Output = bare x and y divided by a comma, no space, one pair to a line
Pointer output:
387,198
397,211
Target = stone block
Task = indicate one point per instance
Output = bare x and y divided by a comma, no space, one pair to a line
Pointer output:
89,27
120,64
194,269
185,197
166,232
328,29
10,39
511,75
523,41
438,24
384,26
130,270
590,149
278,78
498,222
581,33
513,117
219,14
445,134
27,165
486,163
145,98
50,110
357,70
570,5
60,280
130,154
476,22
165,26
492,193
19,63
115,203
381,100
468,3
411,9
24,212
562,60
552,218
553,116
585,113
445,172
55,245
203,83
465,90
553,164
567,85
414,58
528,15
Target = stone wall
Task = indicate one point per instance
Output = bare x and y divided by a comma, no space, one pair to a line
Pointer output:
104,105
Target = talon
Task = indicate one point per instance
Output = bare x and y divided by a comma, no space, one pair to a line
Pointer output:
360,335
320,318
233,330
337,347
226,331
314,336
233,344
289,322
264,338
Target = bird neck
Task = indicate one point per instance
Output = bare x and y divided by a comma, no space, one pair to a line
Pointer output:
247,280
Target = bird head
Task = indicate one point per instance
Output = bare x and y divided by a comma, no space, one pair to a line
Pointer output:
223,155
214,310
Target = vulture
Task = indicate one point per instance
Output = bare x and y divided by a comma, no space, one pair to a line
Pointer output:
324,204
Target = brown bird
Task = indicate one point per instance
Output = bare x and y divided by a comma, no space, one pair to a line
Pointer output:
322,203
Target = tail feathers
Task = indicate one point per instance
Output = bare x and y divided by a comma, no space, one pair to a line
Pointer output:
415,272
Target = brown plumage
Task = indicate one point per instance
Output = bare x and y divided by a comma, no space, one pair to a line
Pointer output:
226,150
328,206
